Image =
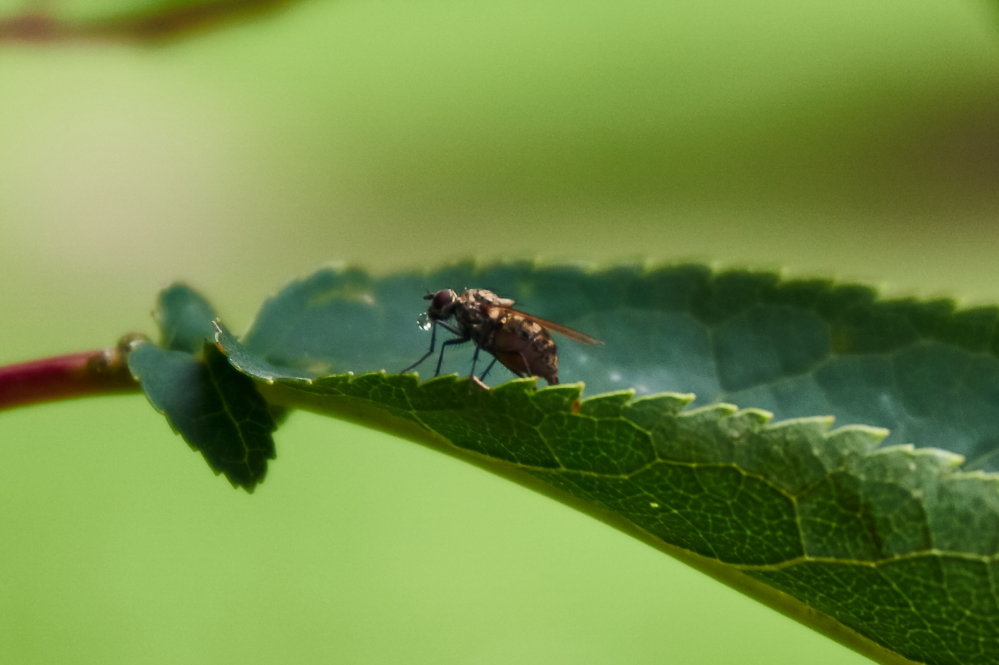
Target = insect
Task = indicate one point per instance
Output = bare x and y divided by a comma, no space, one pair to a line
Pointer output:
520,341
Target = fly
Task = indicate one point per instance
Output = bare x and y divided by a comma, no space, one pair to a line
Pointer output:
520,341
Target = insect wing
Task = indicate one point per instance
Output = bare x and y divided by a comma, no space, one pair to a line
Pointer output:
564,331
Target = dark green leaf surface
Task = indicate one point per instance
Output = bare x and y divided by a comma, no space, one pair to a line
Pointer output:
926,371
216,409
185,319
898,543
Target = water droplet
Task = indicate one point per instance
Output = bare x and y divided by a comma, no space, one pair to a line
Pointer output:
423,320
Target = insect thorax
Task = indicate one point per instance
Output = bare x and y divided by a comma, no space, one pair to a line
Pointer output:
473,312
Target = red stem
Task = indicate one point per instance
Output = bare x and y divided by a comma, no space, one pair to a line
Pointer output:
39,26
97,372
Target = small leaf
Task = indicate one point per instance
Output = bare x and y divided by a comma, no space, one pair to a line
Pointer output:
215,408
185,319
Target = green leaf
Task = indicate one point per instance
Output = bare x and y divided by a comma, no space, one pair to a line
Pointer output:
185,318
890,548
216,409
795,348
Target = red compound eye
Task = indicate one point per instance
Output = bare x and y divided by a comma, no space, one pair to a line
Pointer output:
442,299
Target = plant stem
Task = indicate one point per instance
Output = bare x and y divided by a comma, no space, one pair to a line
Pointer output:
98,372
37,25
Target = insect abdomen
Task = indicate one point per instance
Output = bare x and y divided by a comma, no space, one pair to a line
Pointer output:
525,348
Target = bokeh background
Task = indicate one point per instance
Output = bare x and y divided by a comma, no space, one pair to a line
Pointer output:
855,139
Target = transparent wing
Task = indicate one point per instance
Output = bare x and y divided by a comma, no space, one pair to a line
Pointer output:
558,328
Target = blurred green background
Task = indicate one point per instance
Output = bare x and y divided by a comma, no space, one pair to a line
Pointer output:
859,140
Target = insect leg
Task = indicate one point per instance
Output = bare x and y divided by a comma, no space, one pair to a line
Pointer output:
483,375
475,358
461,339
433,340
450,342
